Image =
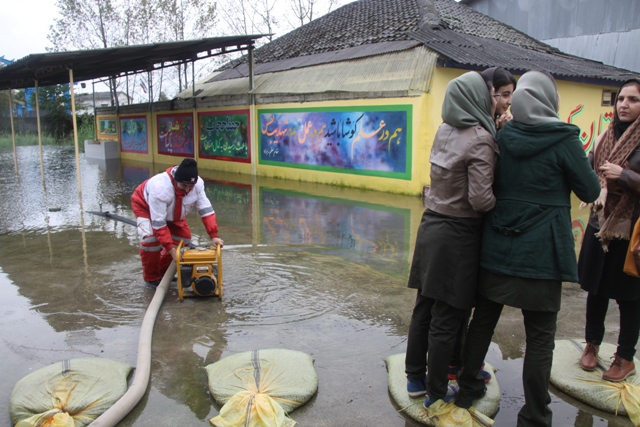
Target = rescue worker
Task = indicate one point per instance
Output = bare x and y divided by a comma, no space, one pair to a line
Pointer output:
161,204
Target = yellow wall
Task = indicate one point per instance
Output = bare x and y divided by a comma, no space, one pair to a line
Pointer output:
425,121
591,119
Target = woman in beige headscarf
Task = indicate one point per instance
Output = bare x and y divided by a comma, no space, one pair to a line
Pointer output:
527,243
445,261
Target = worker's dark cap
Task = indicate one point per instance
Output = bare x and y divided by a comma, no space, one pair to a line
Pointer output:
187,172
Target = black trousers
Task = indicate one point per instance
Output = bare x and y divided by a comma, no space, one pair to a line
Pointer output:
540,327
436,336
629,323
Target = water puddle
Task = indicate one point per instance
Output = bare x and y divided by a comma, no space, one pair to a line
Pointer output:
307,267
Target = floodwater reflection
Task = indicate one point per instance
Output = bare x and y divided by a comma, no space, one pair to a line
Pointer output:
307,267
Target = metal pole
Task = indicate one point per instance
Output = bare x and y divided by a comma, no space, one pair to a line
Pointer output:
253,116
251,64
75,132
151,133
196,126
13,131
193,82
75,140
39,132
95,118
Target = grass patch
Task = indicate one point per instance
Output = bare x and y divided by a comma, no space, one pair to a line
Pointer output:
6,142
85,131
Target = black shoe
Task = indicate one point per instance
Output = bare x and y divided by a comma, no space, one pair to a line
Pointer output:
154,284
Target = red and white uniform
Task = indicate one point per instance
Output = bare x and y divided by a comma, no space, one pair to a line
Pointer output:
160,209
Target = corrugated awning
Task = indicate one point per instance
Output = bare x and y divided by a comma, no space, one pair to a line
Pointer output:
52,68
405,70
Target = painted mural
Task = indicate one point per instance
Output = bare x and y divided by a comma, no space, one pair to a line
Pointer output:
297,218
224,135
133,134
107,127
358,140
596,127
175,134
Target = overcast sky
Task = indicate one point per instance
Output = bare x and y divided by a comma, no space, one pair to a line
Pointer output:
25,24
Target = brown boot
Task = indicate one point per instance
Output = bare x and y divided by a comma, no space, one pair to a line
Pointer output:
589,359
620,369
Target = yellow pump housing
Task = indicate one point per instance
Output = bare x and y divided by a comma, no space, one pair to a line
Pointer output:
199,272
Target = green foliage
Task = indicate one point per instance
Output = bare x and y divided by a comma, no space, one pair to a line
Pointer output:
55,104
6,142
86,127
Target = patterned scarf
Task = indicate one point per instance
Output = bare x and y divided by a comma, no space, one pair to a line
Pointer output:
616,217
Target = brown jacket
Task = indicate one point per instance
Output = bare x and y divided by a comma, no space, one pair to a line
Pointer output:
462,165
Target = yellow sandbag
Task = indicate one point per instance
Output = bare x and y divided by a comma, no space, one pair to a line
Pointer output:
449,415
621,398
480,412
53,418
259,388
625,393
71,393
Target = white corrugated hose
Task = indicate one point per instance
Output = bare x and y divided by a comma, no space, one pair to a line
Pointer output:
140,382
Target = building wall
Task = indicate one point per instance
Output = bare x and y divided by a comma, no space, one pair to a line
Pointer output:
220,150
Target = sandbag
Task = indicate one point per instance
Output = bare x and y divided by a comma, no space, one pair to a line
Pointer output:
441,414
70,393
622,398
260,388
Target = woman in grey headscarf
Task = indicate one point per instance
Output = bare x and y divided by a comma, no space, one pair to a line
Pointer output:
527,244
445,261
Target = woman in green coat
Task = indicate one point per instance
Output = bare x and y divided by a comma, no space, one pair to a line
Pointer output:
527,246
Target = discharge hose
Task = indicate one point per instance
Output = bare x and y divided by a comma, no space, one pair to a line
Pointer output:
138,388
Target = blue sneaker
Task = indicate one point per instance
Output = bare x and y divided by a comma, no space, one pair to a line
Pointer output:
452,393
417,387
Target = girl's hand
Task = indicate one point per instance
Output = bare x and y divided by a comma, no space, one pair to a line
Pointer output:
611,171
502,119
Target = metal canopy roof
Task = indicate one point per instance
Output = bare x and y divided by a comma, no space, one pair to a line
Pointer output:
52,68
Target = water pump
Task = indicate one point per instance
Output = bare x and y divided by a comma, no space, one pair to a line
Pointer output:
199,272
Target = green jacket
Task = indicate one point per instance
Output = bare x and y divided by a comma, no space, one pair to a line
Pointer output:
528,234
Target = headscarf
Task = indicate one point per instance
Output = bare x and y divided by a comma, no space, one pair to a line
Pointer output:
467,102
535,100
615,217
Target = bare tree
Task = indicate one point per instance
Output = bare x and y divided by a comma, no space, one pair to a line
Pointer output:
184,20
305,11
86,24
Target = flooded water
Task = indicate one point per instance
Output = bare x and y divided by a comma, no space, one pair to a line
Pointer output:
307,267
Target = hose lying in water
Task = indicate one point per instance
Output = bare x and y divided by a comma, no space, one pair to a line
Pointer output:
140,382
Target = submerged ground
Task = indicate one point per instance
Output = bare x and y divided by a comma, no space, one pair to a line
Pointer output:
307,267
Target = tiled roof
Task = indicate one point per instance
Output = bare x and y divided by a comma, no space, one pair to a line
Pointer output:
469,51
355,24
373,21
462,36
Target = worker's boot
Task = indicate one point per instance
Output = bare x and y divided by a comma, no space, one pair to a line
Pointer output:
620,369
589,359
